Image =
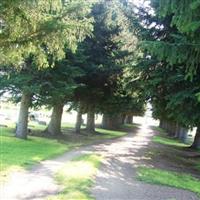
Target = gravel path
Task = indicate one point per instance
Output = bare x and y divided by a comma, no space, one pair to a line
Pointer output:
114,181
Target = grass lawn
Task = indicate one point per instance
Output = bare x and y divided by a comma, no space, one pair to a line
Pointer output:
169,178
85,138
168,141
77,178
18,154
175,143
109,134
171,151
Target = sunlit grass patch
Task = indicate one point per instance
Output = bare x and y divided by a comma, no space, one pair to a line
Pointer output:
34,126
110,133
68,125
169,178
77,178
133,125
168,141
100,132
17,153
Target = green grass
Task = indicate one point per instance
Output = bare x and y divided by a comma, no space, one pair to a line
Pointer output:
162,139
88,138
36,127
168,141
198,166
108,134
156,128
133,125
16,153
173,179
77,178
68,125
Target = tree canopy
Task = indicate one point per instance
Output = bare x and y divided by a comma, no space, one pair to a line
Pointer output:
41,28
103,57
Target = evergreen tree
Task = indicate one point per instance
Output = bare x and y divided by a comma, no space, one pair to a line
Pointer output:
185,46
37,27
22,85
44,30
59,86
107,54
164,68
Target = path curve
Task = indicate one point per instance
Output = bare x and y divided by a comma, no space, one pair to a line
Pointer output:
115,180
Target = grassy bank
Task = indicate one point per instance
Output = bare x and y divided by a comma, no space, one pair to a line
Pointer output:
180,146
168,141
173,163
169,178
19,154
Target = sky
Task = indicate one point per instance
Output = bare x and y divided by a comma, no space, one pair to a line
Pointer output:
140,2
143,3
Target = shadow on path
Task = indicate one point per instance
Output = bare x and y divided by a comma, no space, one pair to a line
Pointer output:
116,179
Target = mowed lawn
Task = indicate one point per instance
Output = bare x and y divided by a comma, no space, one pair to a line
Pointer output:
169,178
174,178
18,154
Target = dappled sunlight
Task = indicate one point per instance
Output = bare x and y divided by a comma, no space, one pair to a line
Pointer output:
121,157
128,146
30,181
73,172
123,152
93,93
36,158
77,170
76,177
22,153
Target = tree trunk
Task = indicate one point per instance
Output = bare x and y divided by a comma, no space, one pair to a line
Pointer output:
111,122
107,122
165,125
177,132
183,134
196,143
172,129
54,127
90,121
22,124
161,124
104,121
123,119
120,119
78,121
129,119
169,129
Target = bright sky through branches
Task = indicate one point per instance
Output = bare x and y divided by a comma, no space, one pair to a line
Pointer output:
140,2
